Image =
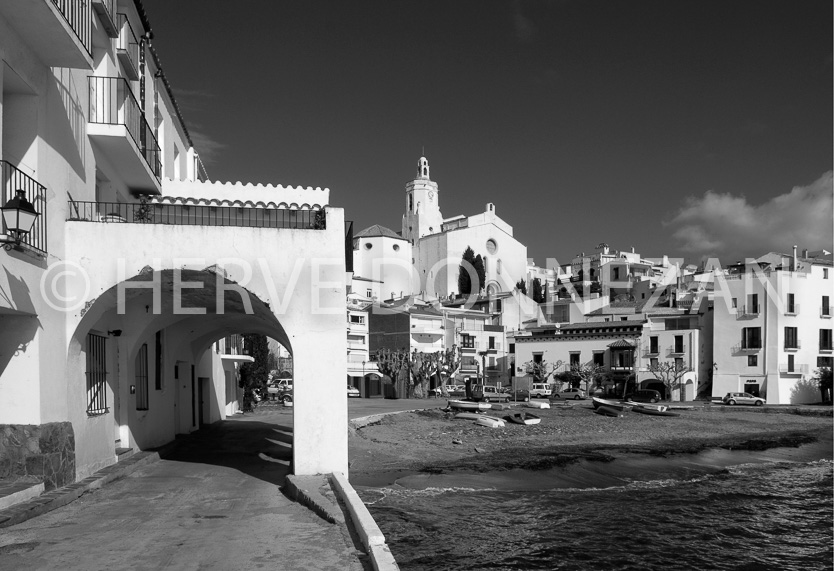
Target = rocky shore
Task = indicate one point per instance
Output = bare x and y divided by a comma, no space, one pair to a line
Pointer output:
433,441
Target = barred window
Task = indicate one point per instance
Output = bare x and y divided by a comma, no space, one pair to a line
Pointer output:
96,374
142,378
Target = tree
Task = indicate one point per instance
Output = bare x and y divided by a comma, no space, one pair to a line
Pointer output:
542,370
824,383
464,277
396,365
253,376
588,373
521,286
538,296
670,373
481,271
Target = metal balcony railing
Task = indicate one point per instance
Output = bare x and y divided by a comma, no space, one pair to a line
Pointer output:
747,347
185,215
825,311
791,309
12,180
106,10
748,311
676,350
793,345
795,368
127,47
112,103
78,15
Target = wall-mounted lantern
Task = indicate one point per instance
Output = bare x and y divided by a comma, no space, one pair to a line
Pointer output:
19,216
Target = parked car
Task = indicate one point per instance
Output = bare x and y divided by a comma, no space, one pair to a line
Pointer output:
742,398
286,396
451,390
281,385
540,391
353,392
645,395
571,393
522,395
488,393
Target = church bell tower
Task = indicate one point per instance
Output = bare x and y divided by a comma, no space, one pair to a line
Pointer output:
422,205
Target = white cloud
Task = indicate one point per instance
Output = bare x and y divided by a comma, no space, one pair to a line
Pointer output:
208,149
730,228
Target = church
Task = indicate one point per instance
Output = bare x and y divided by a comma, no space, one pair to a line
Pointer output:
438,243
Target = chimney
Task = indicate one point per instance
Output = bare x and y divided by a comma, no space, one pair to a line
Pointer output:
805,253
793,269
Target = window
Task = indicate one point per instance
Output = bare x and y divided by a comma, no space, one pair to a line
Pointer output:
158,361
96,374
751,338
752,303
360,319
735,303
616,274
599,359
825,273
491,342
142,378
791,341
825,340
653,344
396,247
574,359
826,306
679,366
752,360
512,348
825,362
678,343
467,342
791,362
653,362
410,202
791,304
368,245
369,293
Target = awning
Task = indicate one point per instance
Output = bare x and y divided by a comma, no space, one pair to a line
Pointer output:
621,344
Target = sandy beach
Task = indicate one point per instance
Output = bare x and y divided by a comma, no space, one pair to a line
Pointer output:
433,441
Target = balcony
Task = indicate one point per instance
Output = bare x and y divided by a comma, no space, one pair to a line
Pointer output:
793,346
195,215
58,31
788,369
13,179
676,350
792,309
748,311
119,129
106,10
127,48
746,348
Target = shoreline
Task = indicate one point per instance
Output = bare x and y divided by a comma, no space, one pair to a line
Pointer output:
433,443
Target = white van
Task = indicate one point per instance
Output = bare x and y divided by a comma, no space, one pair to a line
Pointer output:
540,391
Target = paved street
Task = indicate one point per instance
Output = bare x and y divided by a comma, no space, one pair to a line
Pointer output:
215,504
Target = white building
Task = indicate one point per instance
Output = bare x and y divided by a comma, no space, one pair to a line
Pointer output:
383,257
773,324
439,243
111,306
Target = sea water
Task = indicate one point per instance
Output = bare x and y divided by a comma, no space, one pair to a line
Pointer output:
740,510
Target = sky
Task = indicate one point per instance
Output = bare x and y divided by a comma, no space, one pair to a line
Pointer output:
692,129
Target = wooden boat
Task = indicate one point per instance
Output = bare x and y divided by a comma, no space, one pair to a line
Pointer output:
645,410
521,417
468,416
537,404
610,411
615,404
658,407
490,421
469,405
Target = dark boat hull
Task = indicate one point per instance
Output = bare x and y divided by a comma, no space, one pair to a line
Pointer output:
610,411
653,412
